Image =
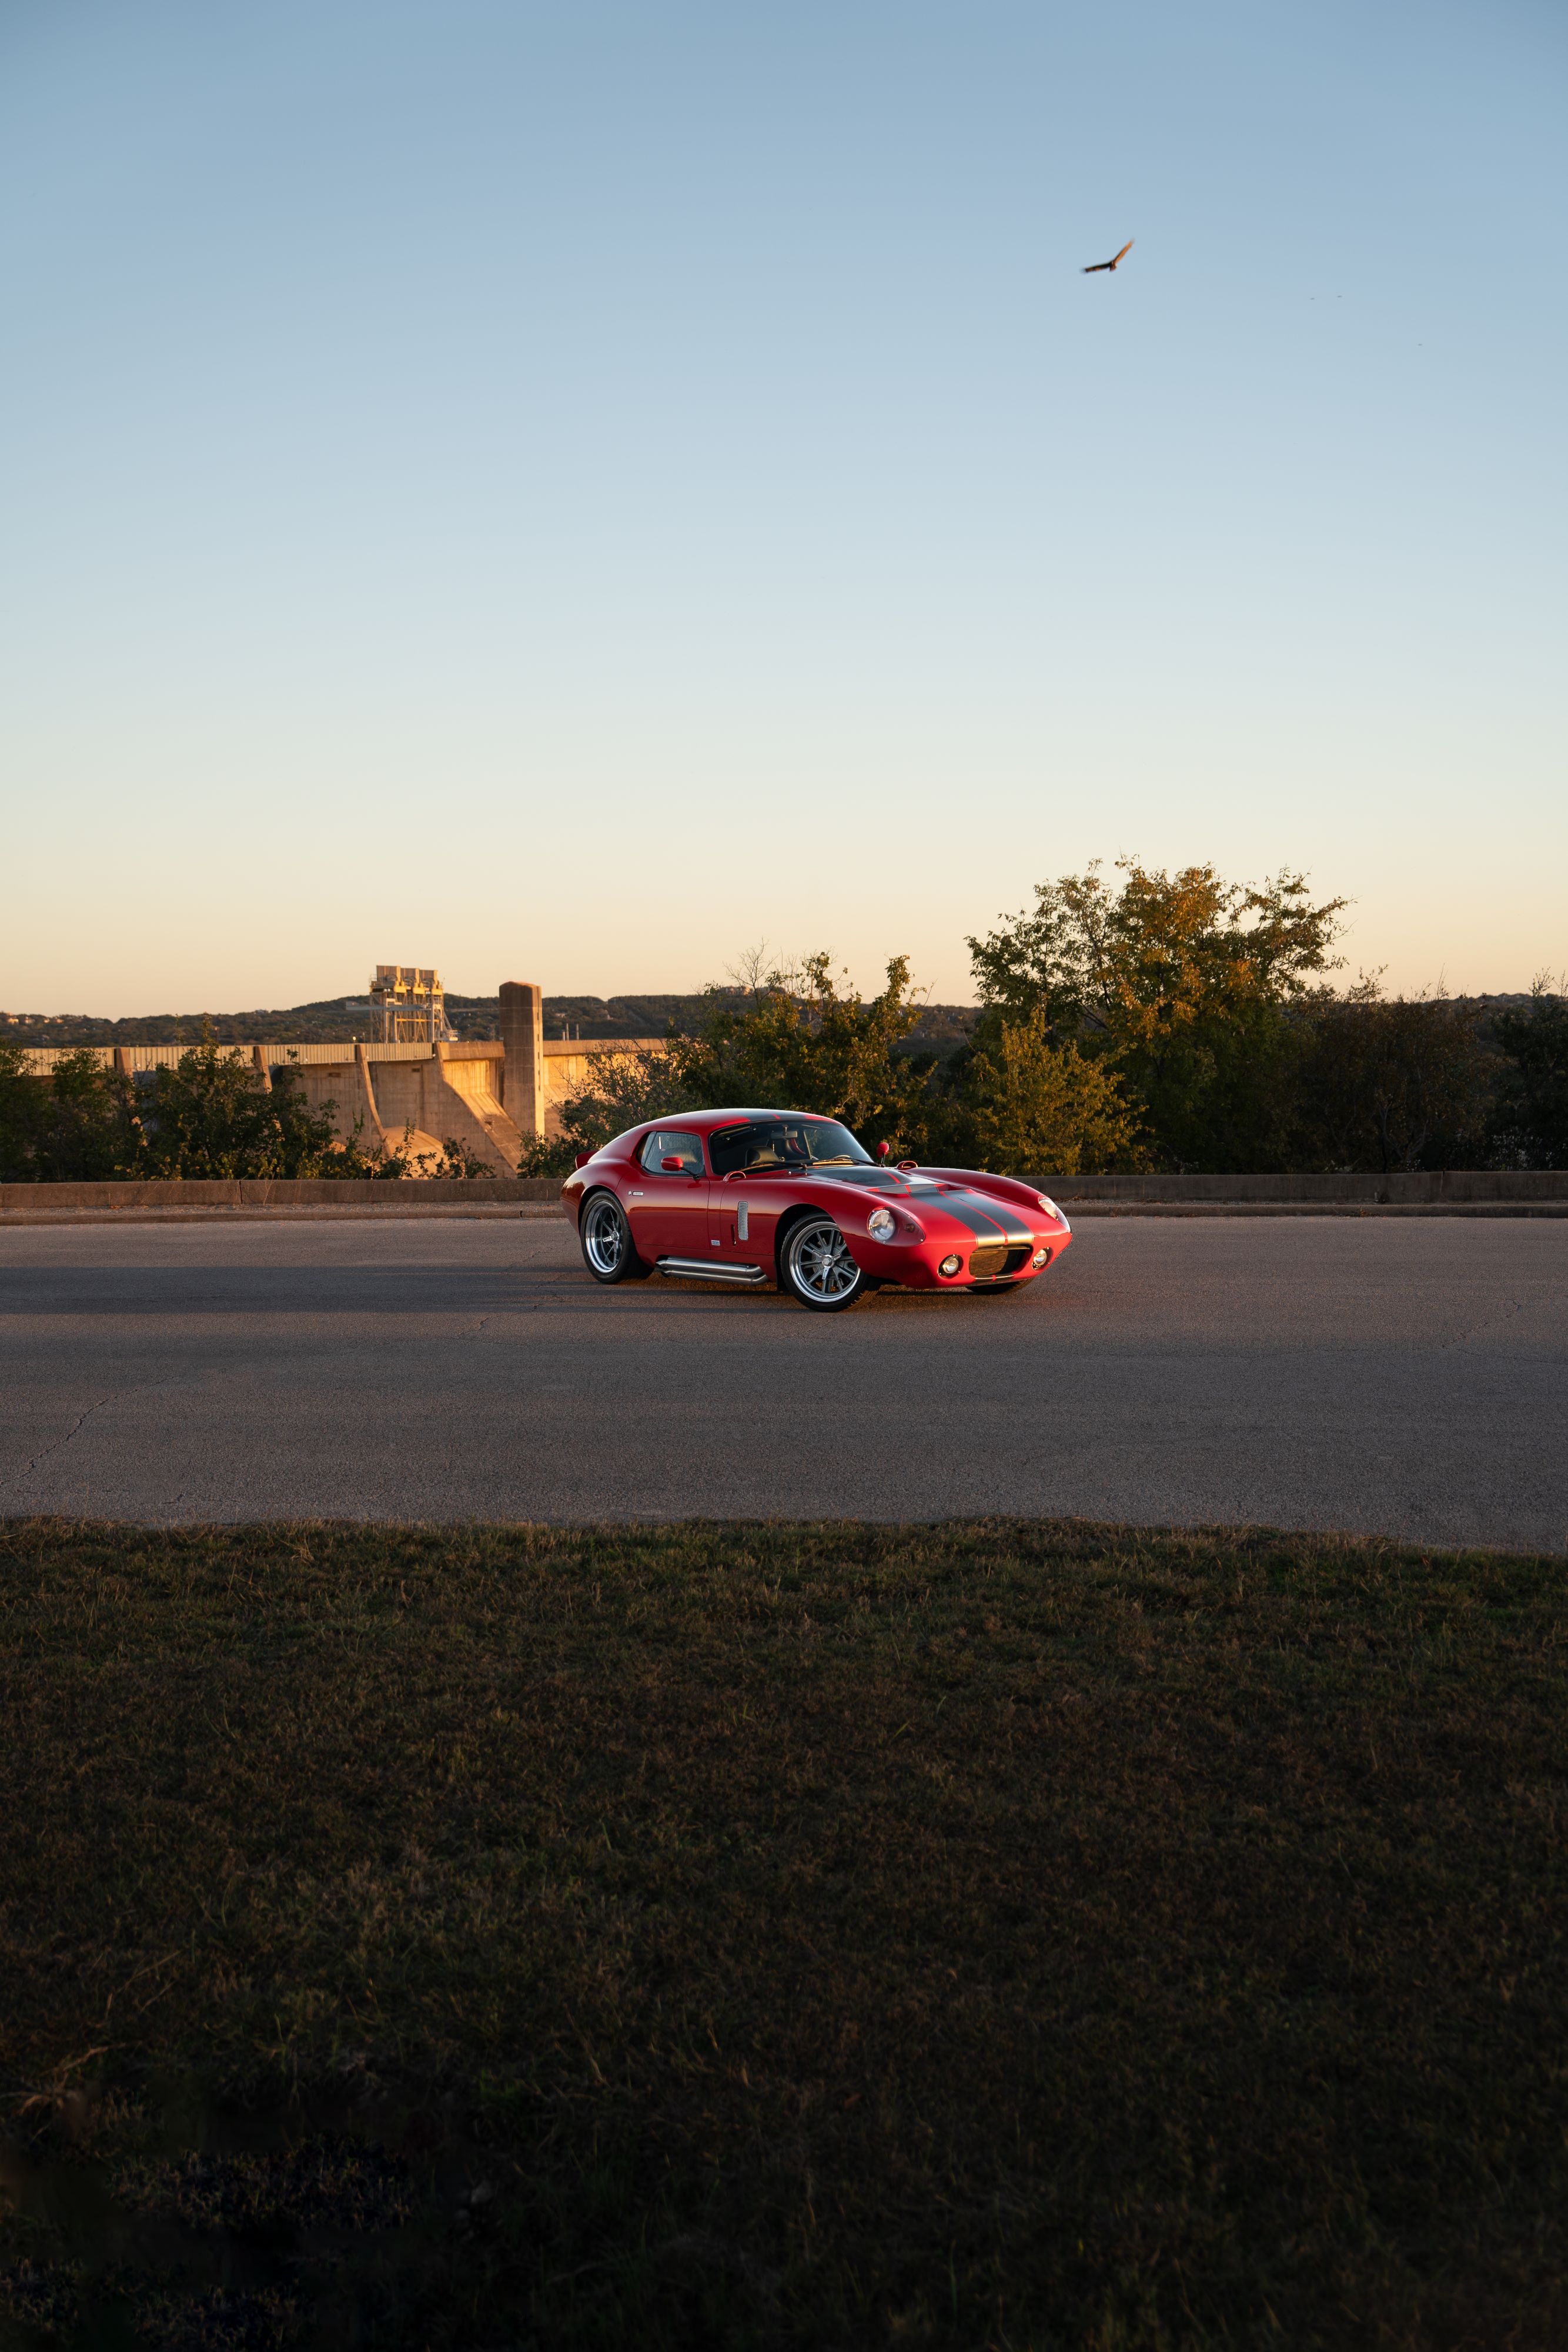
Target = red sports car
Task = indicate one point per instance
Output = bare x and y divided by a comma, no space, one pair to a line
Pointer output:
758,1196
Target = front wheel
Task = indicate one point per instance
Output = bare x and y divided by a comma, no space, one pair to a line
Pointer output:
606,1238
817,1267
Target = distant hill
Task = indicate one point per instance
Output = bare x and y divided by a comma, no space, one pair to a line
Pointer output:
941,1027
327,1023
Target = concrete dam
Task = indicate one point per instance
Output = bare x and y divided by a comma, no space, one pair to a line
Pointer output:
492,1095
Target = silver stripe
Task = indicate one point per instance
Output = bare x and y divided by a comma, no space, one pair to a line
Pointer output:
997,1218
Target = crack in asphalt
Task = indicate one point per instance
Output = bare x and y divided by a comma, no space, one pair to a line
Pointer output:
78,1424
1487,1323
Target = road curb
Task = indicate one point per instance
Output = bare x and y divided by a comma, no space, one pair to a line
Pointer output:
1076,1210
411,1212
16,1220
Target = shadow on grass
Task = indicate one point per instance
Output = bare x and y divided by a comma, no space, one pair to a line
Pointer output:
997,1935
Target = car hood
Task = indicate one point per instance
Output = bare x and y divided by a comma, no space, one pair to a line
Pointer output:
980,1214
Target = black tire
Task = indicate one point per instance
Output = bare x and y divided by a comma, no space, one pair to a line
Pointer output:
605,1237
815,1267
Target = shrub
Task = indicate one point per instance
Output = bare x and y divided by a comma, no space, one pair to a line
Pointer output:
1042,1108
215,1115
78,1125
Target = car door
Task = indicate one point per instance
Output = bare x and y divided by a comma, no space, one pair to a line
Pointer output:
668,1206
744,1198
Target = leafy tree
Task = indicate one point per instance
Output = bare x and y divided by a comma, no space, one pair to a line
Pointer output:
1189,982
625,1085
1393,1084
1042,1108
78,1125
93,1132
17,1093
772,1036
623,1088
1530,1118
795,1040
213,1115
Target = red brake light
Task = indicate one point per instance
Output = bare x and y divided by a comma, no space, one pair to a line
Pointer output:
582,1160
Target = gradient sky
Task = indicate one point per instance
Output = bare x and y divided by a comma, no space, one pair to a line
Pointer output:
568,493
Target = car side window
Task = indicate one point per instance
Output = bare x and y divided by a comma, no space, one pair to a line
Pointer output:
669,1143
737,1148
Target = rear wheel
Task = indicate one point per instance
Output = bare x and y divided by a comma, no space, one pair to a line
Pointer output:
816,1268
606,1238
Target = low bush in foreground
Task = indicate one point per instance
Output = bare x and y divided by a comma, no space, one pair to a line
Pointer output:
996,1935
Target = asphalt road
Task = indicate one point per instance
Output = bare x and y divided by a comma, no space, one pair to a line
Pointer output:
1391,1376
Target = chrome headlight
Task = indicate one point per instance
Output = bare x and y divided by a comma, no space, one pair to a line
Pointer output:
950,1267
1049,1206
882,1224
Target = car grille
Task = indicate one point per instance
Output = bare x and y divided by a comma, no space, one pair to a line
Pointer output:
994,1258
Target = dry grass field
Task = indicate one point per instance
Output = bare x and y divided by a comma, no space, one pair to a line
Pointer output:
994,1934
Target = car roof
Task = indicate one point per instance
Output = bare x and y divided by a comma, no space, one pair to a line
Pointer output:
701,1121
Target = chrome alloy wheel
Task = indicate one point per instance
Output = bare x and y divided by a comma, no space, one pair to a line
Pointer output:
818,1266
604,1237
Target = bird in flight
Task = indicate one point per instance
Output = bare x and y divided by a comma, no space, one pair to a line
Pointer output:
1126,249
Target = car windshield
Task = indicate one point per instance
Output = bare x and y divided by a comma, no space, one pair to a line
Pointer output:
771,1143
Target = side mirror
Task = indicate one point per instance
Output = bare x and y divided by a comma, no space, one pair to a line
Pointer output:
671,1163
582,1160
882,1149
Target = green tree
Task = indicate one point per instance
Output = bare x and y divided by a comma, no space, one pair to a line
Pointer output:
1530,1116
1189,982
213,1115
795,1041
78,1125
1042,1108
624,1086
790,1038
19,1091
1394,1085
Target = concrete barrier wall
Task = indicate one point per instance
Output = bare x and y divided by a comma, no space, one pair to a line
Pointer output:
1482,1192
1431,1191
237,1193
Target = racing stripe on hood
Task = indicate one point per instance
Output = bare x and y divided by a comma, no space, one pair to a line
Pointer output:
989,1220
